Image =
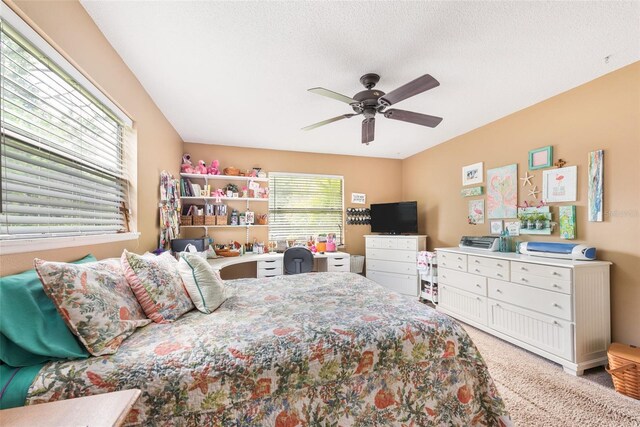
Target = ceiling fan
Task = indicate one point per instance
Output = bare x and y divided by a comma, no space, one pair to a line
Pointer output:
372,101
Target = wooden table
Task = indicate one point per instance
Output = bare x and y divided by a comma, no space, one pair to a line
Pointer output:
108,409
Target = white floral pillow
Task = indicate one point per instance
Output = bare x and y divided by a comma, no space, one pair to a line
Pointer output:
95,301
157,285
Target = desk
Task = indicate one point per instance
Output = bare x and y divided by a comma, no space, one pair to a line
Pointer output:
271,264
101,410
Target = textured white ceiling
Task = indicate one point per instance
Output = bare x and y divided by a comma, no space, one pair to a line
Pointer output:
237,73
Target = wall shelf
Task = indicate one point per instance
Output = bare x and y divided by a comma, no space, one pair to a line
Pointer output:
224,177
225,226
245,199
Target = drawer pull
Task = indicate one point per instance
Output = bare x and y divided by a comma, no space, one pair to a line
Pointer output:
444,276
460,267
270,268
498,291
337,259
338,265
555,322
459,258
555,285
478,298
270,261
522,279
555,273
499,265
498,274
556,305
523,269
477,262
478,285
477,270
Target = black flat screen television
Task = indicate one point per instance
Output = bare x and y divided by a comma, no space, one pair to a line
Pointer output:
394,218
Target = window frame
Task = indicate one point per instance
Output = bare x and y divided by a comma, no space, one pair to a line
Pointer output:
341,236
57,61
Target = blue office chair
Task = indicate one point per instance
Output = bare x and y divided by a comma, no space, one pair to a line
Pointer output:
298,260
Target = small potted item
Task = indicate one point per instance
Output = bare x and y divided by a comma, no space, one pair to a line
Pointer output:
245,192
540,221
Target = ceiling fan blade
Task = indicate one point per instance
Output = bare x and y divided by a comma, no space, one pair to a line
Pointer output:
331,94
368,130
411,117
326,122
414,87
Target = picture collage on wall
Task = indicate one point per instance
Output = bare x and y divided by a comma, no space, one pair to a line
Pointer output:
534,217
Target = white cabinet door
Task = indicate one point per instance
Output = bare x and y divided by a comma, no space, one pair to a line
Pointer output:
467,305
545,332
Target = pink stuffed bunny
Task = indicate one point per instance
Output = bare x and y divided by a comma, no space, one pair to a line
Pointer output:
213,169
187,166
201,168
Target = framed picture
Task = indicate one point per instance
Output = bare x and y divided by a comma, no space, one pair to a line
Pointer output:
471,191
476,211
496,226
472,174
595,185
535,220
502,192
560,185
359,198
512,227
541,158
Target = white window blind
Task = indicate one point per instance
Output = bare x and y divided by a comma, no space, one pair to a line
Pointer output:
63,159
302,205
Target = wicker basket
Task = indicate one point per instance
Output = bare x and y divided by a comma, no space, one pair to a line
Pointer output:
186,220
210,220
624,367
231,171
198,220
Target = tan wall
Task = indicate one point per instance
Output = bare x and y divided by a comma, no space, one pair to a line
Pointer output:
67,26
378,178
602,114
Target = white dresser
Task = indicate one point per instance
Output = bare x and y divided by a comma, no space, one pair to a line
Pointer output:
391,261
556,308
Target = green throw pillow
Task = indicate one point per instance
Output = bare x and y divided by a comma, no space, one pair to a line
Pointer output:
31,329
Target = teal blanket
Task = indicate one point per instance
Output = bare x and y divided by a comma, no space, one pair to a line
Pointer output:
15,383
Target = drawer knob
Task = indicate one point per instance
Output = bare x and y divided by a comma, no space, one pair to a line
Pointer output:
498,274
459,258
478,285
523,269
555,285
460,267
478,298
499,265
555,273
522,279
555,304
444,276
498,291
477,270
476,261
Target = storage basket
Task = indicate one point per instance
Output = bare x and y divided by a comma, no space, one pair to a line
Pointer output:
624,367
210,220
231,171
357,263
198,220
186,220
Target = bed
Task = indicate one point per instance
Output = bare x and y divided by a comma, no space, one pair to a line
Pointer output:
310,349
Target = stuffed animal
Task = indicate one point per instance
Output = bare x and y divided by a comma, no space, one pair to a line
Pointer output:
213,169
187,166
201,168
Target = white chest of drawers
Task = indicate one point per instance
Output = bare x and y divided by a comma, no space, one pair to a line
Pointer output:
392,261
556,308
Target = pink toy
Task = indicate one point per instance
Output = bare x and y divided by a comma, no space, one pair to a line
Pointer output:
187,166
201,168
218,194
213,169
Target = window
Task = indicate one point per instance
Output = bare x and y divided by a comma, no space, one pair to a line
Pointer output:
303,205
63,169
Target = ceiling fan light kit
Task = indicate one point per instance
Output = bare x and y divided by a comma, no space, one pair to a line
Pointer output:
371,101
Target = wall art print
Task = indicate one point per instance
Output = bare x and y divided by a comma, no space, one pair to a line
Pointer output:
502,192
476,211
541,158
560,185
535,220
471,191
472,174
567,220
596,159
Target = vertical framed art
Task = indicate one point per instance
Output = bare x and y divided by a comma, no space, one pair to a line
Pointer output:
596,159
567,215
476,211
502,192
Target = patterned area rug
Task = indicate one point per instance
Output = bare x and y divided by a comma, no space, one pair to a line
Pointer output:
538,392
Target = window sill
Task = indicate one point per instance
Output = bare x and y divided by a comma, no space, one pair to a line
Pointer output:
43,244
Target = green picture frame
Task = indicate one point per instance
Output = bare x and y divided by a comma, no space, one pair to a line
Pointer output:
541,158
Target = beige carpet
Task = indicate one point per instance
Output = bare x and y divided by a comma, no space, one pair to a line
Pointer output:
538,392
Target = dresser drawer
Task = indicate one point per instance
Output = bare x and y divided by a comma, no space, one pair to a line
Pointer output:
401,283
465,281
452,261
465,304
341,263
392,266
541,282
392,255
269,268
540,300
558,273
496,268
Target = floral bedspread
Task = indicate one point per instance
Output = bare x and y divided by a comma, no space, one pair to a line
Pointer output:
329,349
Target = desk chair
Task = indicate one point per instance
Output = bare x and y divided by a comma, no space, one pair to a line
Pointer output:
297,260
